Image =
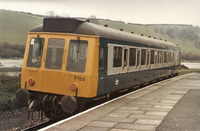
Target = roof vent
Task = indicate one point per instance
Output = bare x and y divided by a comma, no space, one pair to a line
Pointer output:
67,25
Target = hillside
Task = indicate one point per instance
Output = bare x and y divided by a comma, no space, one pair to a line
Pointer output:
15,25
186,36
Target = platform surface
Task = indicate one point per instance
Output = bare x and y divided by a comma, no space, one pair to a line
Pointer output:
170,105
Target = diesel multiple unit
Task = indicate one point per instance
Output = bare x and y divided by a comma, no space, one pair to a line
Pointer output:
68,62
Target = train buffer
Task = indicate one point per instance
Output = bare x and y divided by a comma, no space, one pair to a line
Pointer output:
173,104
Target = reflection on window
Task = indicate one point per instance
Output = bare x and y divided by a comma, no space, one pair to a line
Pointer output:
132,57
77,55
35,52
54,53
117,57
101,58
143,57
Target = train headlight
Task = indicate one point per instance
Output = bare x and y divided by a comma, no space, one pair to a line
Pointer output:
73,87
31,81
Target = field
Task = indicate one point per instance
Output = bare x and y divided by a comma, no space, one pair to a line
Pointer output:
15,25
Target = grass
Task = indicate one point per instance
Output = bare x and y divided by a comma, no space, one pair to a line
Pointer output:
186,71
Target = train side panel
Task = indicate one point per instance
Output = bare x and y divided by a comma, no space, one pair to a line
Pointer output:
117,78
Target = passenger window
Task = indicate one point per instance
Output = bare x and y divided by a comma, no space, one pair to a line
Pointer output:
143,57
132,57
173,57
169,56
77,55
165,57
152,56
125,57
138,57
54,53
148,57
156,57
101,58
117,57
35,52
161,55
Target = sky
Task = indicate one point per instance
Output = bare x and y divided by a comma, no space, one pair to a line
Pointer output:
132,11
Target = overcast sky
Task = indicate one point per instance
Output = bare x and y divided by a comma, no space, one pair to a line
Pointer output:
134,11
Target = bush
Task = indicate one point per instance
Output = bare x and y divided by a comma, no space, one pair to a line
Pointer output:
8,50
190,56
8,87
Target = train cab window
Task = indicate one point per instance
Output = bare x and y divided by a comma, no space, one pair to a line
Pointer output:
132,57
101,58
152,56
35,52
54,53
117,57
77,55
143,57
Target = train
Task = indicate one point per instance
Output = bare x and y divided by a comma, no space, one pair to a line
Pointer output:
68,62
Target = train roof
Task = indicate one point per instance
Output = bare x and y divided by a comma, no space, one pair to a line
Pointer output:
71,25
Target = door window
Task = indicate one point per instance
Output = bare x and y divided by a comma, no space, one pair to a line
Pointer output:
77,55
54,54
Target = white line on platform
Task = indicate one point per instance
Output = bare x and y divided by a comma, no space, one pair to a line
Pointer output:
59,122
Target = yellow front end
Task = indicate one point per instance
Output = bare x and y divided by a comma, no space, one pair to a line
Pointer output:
60,63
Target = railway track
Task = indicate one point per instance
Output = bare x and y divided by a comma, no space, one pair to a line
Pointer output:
41,125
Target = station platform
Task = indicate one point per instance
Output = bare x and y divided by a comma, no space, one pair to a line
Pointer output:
170,105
